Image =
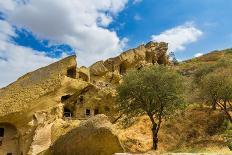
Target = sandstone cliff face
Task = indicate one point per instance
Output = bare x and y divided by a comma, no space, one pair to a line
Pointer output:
111,69
95,136
34,101
45,102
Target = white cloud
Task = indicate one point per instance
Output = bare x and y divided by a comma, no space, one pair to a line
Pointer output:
16,60
198,54
137,17
79,23
180,36
136,1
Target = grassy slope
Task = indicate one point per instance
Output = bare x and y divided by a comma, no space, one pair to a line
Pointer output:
197,129
189,66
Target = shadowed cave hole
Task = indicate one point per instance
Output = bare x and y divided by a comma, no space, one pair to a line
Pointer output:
71,72
96,111
65,97
2,132
67,113
122,69
87,112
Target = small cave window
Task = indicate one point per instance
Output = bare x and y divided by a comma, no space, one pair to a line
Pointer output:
2,132
64,98
1,135
71,72
67,113
9,154
87,112
96,111
122,69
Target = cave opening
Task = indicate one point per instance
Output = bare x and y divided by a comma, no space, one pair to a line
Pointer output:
87,112
65,97
71,72
96,111
67,113
122,69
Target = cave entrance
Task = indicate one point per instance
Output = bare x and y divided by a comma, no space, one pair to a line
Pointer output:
9,139
96,111
122,69
65,97
71,72
87,112
67,113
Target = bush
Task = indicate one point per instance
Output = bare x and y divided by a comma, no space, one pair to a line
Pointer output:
230,146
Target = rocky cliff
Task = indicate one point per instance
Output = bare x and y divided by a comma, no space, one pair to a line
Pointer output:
44,102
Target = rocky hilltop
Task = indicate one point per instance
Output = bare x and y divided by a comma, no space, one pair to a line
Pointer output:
48,109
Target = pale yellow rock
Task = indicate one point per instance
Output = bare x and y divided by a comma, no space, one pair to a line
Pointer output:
35,105
95,136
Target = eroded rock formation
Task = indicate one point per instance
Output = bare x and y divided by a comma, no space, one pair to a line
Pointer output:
56,98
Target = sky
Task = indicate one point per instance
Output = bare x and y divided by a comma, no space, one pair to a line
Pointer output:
35,33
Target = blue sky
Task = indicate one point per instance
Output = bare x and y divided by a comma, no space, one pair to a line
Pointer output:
35,33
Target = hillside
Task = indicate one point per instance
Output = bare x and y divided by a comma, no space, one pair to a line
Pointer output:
54,107
188,67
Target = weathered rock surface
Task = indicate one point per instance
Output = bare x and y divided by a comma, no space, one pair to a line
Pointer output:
38,103
94,136
111,69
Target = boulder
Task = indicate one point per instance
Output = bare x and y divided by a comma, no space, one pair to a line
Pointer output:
94,136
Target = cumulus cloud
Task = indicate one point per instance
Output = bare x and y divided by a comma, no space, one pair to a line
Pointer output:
198,54
16,60
81,24
180,36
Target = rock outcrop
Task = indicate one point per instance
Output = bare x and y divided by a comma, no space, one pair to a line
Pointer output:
94,136
111,69
41,104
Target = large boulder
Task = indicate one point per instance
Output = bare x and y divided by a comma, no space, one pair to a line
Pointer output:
94,136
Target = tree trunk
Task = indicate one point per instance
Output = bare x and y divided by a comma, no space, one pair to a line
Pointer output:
225,109
214,105
154,137
155,130
228,115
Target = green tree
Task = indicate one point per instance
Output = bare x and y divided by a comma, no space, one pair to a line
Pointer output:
216,87
204,70
155,91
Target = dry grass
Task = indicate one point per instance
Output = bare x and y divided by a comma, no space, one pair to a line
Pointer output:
195,130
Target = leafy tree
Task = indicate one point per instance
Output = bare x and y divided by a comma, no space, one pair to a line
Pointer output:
204,70
155,91
216,87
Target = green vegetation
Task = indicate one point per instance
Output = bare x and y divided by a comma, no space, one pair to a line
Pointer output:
155,91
